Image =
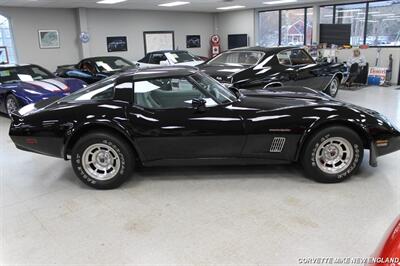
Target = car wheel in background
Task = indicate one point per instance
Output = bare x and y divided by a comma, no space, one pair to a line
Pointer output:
102,160
333,87
12,104
332,155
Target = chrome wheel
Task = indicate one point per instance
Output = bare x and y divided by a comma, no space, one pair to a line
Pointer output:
334,87
101,162
334,155
12,105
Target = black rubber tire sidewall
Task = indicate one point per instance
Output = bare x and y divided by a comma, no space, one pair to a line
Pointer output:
308,156
328,90
15,100
123,149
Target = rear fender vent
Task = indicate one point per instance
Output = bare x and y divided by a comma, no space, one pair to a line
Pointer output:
277,144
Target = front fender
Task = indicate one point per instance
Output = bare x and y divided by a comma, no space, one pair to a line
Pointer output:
318,124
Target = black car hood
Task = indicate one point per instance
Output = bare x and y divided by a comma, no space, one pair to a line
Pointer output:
222,73
284,97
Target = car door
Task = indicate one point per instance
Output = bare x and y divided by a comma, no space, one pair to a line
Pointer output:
166,126
307,72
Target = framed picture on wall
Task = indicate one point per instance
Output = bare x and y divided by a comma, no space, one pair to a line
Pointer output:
49,39
193,41
158,40
117,44
4,55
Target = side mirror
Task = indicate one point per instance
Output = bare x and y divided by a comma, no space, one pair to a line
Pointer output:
235,91
199,104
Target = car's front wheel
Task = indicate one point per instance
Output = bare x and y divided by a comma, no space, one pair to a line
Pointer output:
332,154
102,160
12,104
333,87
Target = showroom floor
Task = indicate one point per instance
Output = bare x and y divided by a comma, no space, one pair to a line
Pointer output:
253,215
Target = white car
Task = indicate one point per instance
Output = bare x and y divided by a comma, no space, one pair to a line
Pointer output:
169,58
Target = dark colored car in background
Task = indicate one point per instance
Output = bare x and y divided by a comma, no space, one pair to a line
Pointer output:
179,115
25,84
255,67
94,69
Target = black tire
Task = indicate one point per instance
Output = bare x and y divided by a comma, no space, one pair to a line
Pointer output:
335,82
119,151
312,150
11,97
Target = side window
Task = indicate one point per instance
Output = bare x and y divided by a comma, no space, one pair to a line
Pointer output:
166,93
145,59
103,90
157,58
300,57
284,58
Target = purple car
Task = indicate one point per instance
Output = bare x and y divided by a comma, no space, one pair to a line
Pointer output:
21,85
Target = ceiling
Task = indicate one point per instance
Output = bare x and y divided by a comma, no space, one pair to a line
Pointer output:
196,5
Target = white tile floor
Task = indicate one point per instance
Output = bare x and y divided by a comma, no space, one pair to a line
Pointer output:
220,215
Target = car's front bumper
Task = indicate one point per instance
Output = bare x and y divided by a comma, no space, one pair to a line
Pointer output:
383,146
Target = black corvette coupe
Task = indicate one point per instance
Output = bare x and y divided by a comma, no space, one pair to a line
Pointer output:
94,69
178,115
255,67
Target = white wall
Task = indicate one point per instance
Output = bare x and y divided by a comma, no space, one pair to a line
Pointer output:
101,23
132,23
26,22
237,22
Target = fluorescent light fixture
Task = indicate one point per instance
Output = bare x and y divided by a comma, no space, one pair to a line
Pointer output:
349,10
370,13
230,7
278,2
177,3
346,17
386,19
110,2
383,15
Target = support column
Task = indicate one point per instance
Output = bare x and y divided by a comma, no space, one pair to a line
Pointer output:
83,27
316,23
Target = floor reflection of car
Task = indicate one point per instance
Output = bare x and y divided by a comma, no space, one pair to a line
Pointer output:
179,115
94,69
253,67
169,58
25,84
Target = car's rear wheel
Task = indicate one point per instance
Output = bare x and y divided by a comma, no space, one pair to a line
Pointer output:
102,160
12,104
333,87
333,154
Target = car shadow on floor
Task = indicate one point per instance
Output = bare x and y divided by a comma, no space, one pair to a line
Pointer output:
292,173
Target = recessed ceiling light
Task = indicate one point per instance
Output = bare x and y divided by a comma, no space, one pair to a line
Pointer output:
278,2
230,7
177,3
110,2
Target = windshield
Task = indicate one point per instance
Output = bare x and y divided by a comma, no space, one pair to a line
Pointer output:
24,73
109,64
101,90
214,88
237,58
180,57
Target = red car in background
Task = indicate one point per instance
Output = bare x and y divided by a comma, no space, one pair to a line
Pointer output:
388,253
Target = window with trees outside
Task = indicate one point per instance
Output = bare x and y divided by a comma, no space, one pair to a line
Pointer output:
6,39
286,27
374,23
383,28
